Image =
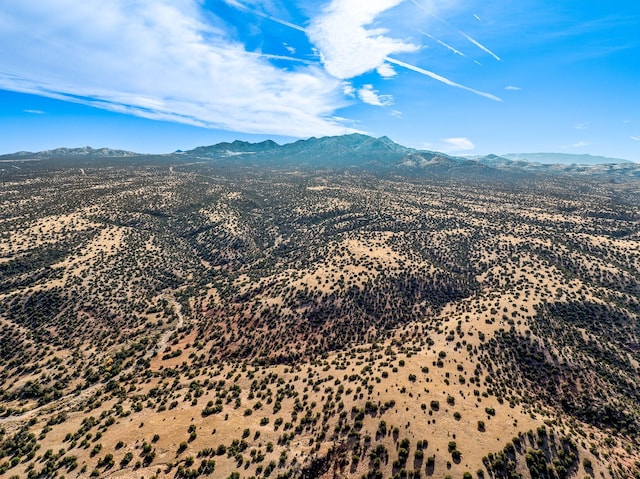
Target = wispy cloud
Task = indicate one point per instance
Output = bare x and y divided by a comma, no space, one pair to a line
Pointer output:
512,88
175,60
636,138
371,97
457,144
582,126
580,144
35,112
164,60
347,45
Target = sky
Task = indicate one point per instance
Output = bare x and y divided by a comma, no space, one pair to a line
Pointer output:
466,77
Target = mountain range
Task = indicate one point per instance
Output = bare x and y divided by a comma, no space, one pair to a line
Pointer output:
347,151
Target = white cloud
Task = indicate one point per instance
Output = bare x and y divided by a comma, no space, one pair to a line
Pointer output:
347,47
386,71
457,144
636,138
371,97
160,59
512,88
348,89
35,112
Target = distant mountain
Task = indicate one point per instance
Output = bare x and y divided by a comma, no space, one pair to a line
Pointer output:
66,152
563,158
612,171
502,162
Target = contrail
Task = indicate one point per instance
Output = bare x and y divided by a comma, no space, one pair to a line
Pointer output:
444,22
281,57
440,78
479,45
446,45
265,15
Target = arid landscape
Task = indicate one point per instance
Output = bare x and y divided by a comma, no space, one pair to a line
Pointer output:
194,315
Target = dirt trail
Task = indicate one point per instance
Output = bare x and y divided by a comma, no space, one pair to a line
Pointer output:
164,339
73,399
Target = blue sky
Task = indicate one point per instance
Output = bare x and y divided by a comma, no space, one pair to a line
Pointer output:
464,77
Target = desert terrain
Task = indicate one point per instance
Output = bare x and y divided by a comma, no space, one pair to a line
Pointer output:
196,320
